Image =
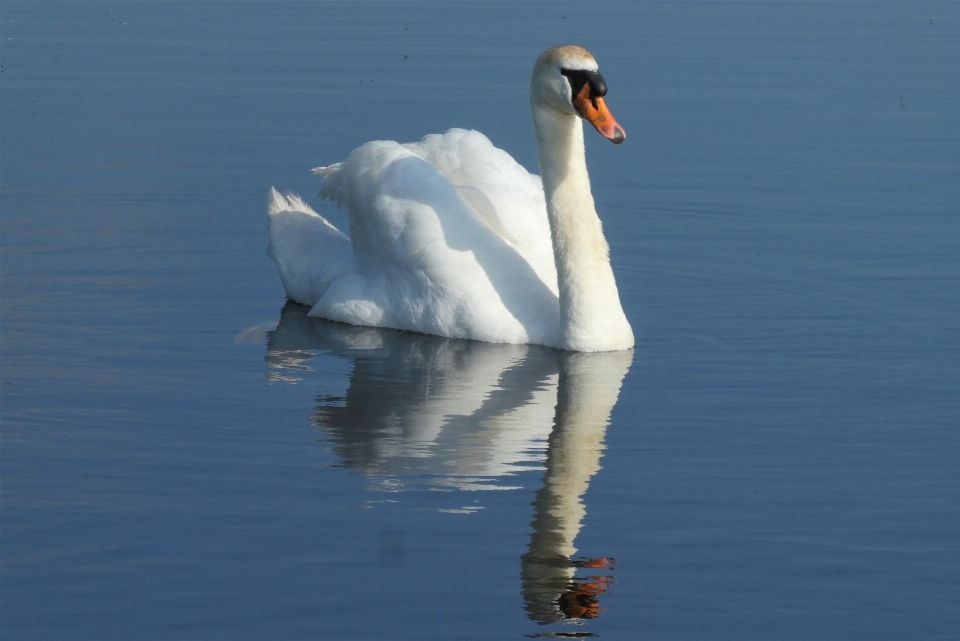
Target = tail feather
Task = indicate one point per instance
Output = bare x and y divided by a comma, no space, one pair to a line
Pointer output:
278,203
310,252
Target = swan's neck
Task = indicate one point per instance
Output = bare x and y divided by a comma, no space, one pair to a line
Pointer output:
591,318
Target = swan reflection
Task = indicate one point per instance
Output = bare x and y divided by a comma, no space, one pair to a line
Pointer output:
469,415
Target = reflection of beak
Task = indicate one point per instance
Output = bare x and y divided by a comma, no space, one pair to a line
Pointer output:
581,601
595,110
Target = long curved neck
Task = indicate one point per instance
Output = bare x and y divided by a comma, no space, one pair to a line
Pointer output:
591,316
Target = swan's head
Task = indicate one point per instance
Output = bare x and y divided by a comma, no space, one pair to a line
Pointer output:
566,79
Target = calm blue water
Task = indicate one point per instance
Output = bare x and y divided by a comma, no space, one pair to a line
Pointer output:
184,456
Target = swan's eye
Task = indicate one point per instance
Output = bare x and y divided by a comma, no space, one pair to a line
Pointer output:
580,77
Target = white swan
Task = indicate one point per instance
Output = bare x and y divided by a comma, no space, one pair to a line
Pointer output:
450,236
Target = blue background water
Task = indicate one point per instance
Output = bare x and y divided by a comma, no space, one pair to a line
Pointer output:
783,219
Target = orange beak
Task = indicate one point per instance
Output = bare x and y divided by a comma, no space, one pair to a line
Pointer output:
595,110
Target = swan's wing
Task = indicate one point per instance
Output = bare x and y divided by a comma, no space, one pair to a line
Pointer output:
498,189
310,252
427,259
397,206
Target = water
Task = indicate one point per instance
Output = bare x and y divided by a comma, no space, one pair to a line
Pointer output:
184,456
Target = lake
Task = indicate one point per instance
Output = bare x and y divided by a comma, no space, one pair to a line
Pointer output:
187,455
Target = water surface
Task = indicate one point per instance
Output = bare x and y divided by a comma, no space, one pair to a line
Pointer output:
185,455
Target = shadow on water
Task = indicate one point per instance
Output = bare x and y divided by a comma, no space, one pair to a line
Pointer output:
422,410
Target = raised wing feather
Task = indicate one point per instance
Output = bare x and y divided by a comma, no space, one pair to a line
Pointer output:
498,189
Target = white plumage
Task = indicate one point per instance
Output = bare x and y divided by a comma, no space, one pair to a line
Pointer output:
451,236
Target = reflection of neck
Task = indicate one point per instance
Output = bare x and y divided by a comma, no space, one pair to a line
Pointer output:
588,389
591,318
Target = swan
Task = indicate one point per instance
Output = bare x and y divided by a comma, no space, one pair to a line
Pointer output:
451,236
